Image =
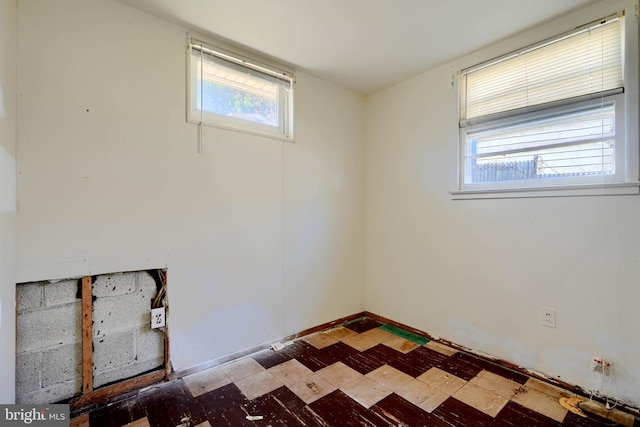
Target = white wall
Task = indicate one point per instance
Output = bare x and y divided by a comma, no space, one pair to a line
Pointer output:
476,271
261,238
7,198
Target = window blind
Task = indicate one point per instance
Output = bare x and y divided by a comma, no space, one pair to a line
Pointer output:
239,65
574,66
577,143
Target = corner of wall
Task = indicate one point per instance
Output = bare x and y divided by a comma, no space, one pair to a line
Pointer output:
8,31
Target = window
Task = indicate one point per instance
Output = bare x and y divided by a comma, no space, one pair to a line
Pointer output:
552,115
235,92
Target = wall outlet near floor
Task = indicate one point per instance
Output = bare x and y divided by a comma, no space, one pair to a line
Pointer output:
157,318
601,365
548,317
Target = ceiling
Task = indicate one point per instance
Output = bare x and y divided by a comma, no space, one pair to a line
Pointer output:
364,45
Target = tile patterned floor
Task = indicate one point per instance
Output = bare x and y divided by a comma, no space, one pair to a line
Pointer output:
352,375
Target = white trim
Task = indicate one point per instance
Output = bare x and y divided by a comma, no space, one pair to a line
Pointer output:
630,188
632,95
276,136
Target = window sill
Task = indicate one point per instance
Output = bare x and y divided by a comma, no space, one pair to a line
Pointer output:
248,131
631,188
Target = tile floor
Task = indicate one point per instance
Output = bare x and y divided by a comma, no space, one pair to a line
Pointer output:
352,375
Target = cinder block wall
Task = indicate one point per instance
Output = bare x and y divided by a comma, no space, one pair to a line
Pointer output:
48,344
49,330
124,345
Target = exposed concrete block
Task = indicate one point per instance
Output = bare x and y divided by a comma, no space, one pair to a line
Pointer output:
112,351
29,296
28,368
109,285
52,394
146,282
122,312
149,344
61,364
58,293
125,372
46,328
49,321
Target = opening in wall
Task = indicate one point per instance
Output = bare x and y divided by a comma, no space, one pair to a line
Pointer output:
70,343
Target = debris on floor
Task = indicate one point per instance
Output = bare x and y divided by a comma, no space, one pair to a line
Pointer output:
571,403
277,346
254,417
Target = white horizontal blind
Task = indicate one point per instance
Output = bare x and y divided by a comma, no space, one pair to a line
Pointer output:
584,62
577,143
240,64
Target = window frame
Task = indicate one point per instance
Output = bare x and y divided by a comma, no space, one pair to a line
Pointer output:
622,182
618,177
194,115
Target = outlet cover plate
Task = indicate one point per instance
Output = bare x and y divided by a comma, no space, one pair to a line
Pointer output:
548,317
157,318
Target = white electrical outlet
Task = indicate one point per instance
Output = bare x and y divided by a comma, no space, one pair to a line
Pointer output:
157,318
601,366
548,317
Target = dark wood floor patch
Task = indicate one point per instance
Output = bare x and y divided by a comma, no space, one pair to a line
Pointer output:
364,362
306,354
297,349
270,358
401,412
281,408
462,365
338,409
514,415
225,406
418,361
458,414
363,324
573,420
116,415
384,353
167,406
495,368
337,352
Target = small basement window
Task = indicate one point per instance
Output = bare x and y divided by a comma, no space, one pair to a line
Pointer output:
556,115
235,92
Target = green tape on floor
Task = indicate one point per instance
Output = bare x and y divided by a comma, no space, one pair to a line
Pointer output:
405,334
